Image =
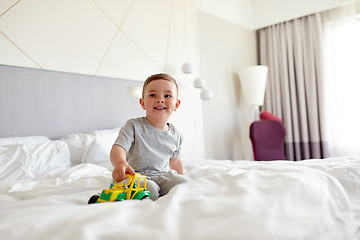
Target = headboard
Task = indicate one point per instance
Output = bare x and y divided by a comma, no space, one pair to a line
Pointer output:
37,102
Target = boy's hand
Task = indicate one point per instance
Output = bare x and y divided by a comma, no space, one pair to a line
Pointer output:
121,170
118,160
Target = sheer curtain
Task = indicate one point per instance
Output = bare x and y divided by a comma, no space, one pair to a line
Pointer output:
342,74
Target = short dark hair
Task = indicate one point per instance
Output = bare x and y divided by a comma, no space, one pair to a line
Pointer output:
160,76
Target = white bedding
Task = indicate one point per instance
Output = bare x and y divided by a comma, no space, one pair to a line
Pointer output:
312,199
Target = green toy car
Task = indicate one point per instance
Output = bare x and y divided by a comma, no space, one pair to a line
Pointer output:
134,187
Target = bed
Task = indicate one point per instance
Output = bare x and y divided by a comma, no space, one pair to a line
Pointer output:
49,169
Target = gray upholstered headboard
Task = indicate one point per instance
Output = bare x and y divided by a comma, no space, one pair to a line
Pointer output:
37,102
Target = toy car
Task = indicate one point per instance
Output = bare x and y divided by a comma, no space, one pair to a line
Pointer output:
134,187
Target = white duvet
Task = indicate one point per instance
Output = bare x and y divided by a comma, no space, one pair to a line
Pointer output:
313,199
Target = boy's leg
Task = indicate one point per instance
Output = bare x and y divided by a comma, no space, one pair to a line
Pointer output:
153,188
169,180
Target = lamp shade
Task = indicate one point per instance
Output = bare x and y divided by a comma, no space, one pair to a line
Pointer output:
206,94
253,83
187,67
199,83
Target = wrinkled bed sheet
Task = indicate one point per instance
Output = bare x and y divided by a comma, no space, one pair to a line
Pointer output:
312,199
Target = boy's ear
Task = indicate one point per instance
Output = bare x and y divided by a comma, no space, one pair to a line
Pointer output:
142,103
177,104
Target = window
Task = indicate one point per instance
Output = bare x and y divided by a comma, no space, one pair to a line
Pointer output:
342,94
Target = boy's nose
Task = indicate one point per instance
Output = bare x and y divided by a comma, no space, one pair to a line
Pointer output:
161,101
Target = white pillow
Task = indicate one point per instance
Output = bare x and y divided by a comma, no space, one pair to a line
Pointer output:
23,140
78,144
91,147
30,161
100,148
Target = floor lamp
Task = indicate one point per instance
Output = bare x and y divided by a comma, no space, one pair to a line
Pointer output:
253,84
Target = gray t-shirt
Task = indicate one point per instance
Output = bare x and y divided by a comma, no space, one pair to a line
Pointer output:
149,149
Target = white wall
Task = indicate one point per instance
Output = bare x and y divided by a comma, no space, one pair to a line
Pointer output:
256,14
236,11
225,47
269,12
123,39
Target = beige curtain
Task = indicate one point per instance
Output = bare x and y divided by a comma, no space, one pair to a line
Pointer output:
293,52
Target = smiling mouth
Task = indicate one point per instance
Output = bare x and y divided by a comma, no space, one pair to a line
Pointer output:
160,108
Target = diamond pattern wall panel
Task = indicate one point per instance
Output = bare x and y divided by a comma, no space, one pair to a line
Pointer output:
128,38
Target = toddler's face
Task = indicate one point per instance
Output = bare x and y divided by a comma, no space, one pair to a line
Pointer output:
160,100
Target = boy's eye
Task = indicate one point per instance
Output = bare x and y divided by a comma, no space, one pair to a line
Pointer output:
152,95
168,96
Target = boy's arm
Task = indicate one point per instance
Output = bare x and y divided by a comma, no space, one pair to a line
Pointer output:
177,165
118,160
